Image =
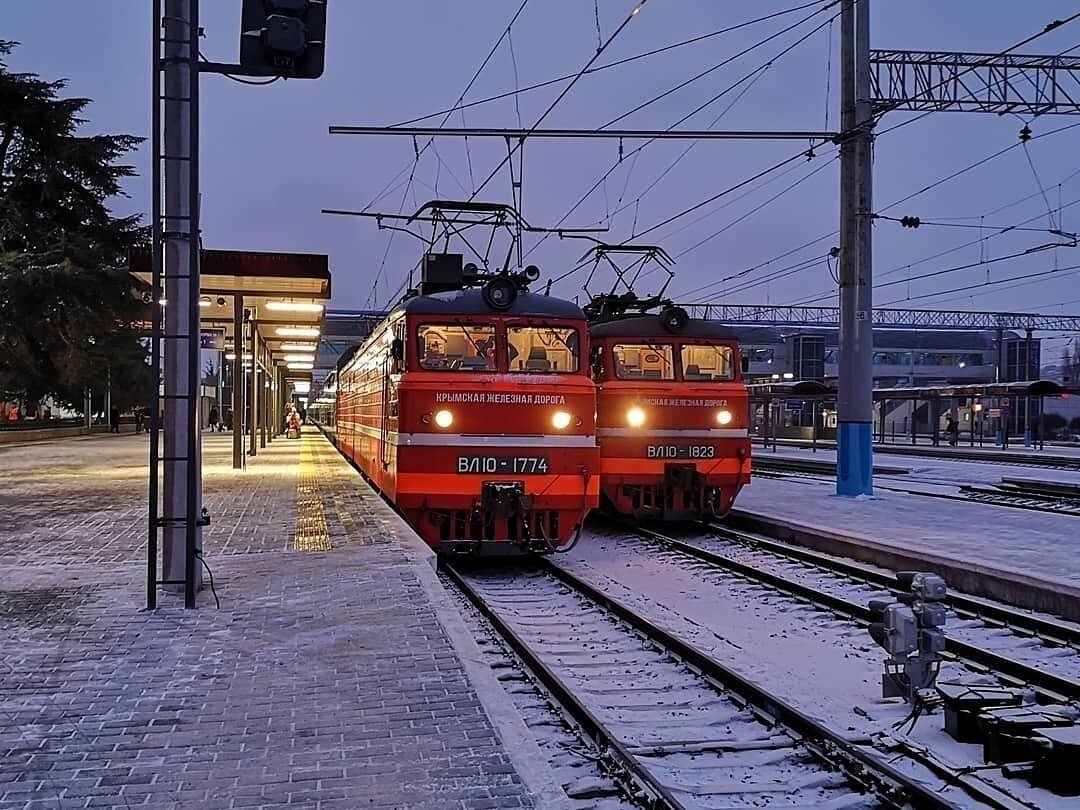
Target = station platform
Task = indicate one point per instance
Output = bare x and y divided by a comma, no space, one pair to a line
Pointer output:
337,672
1028,558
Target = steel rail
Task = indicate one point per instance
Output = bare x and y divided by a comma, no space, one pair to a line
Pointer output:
1051,687
642,782
1052,630
964,454
891,785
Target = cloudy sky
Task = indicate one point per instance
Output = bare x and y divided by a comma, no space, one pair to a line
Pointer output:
269,164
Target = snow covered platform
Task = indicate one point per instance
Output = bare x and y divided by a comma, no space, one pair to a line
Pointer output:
336,673
1026,558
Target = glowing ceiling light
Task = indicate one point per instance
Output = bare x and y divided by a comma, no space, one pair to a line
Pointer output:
298,358
299,366
297,331
298,347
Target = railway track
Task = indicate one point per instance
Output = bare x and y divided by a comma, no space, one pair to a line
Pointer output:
1031,498
979,456
680,728
1051,649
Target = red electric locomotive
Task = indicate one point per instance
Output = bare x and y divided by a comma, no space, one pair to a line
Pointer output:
471,409
673,411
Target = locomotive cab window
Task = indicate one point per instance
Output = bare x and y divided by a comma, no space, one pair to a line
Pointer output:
705,363
456,347
644,361
543,349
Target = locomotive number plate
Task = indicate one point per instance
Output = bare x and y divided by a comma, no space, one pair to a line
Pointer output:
680,451
503,465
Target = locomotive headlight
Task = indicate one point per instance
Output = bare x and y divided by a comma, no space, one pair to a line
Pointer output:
635,417
723,417
444,419
561,420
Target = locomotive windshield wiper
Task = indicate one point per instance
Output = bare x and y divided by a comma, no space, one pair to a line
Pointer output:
469,338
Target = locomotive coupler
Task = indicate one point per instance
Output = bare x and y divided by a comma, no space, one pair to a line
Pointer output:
505,498
682,476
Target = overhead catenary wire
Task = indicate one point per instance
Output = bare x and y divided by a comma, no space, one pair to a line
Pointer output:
777,273
972,287
457,105
634,153
929,223
626,60
778,165
929,187
982,261
726,61
430,143
563,93
824,165
752,78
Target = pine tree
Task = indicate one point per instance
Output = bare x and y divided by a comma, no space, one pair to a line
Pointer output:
69,313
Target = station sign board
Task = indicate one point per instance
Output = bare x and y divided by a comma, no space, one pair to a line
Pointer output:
795,405
212,339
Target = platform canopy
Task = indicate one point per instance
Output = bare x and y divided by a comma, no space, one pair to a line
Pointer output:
283,294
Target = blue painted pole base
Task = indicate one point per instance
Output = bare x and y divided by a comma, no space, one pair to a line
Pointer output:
855,460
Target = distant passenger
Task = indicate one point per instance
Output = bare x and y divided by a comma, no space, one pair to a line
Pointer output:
139,416
114,420
952,428
215,418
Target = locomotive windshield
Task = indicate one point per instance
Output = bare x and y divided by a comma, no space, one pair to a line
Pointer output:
643,361
705,363
542,349
446,347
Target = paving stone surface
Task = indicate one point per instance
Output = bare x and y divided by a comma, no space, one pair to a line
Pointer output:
325,680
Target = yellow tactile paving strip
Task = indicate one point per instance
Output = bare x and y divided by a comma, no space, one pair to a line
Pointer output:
311,530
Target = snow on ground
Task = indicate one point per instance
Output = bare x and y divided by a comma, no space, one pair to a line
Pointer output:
1041,545
825,666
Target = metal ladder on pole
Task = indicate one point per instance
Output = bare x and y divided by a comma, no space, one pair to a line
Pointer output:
175,316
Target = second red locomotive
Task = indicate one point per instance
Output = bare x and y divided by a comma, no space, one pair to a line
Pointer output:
673,412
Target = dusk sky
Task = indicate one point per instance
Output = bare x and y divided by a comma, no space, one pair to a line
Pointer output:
269,164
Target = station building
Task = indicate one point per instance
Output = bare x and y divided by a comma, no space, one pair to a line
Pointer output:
902,357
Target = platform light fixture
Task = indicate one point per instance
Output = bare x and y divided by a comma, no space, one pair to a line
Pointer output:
297,331
298,347
299,366
301,386
788,375
233,357
298,358
292,306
